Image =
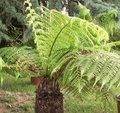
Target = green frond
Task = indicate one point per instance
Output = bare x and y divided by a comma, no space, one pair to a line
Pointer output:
93,69
13,54
70,49
84,13
54,31
20,60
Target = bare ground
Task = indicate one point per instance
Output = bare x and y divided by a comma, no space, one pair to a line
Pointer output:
16,102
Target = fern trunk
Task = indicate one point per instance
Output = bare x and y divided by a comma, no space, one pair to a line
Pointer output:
49,99
118,103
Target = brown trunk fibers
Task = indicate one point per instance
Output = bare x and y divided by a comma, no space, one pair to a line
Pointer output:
49,99
118,103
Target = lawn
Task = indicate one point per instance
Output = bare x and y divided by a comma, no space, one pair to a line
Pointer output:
18,96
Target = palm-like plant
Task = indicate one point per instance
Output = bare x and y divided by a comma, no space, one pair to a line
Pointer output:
73,54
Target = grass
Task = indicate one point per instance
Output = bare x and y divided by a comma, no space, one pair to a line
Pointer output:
8,99
89,105
21,84
16,89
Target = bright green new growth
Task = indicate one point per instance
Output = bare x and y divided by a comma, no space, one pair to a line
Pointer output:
61,41
84,13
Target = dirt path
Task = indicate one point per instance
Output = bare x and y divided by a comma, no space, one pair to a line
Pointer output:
16,102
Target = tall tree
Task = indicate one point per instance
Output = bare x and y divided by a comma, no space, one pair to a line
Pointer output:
12,22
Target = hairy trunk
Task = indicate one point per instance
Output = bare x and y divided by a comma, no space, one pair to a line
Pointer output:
118,103
49,99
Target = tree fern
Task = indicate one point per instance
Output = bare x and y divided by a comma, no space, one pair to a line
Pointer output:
61,41
54,31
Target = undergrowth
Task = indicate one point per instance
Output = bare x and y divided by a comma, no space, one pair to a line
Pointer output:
71,104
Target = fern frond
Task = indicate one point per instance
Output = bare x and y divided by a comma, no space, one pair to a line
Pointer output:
54,31
60,40
21,58
84,13
94,69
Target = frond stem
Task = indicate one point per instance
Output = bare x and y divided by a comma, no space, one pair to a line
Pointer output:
56,39
54,43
